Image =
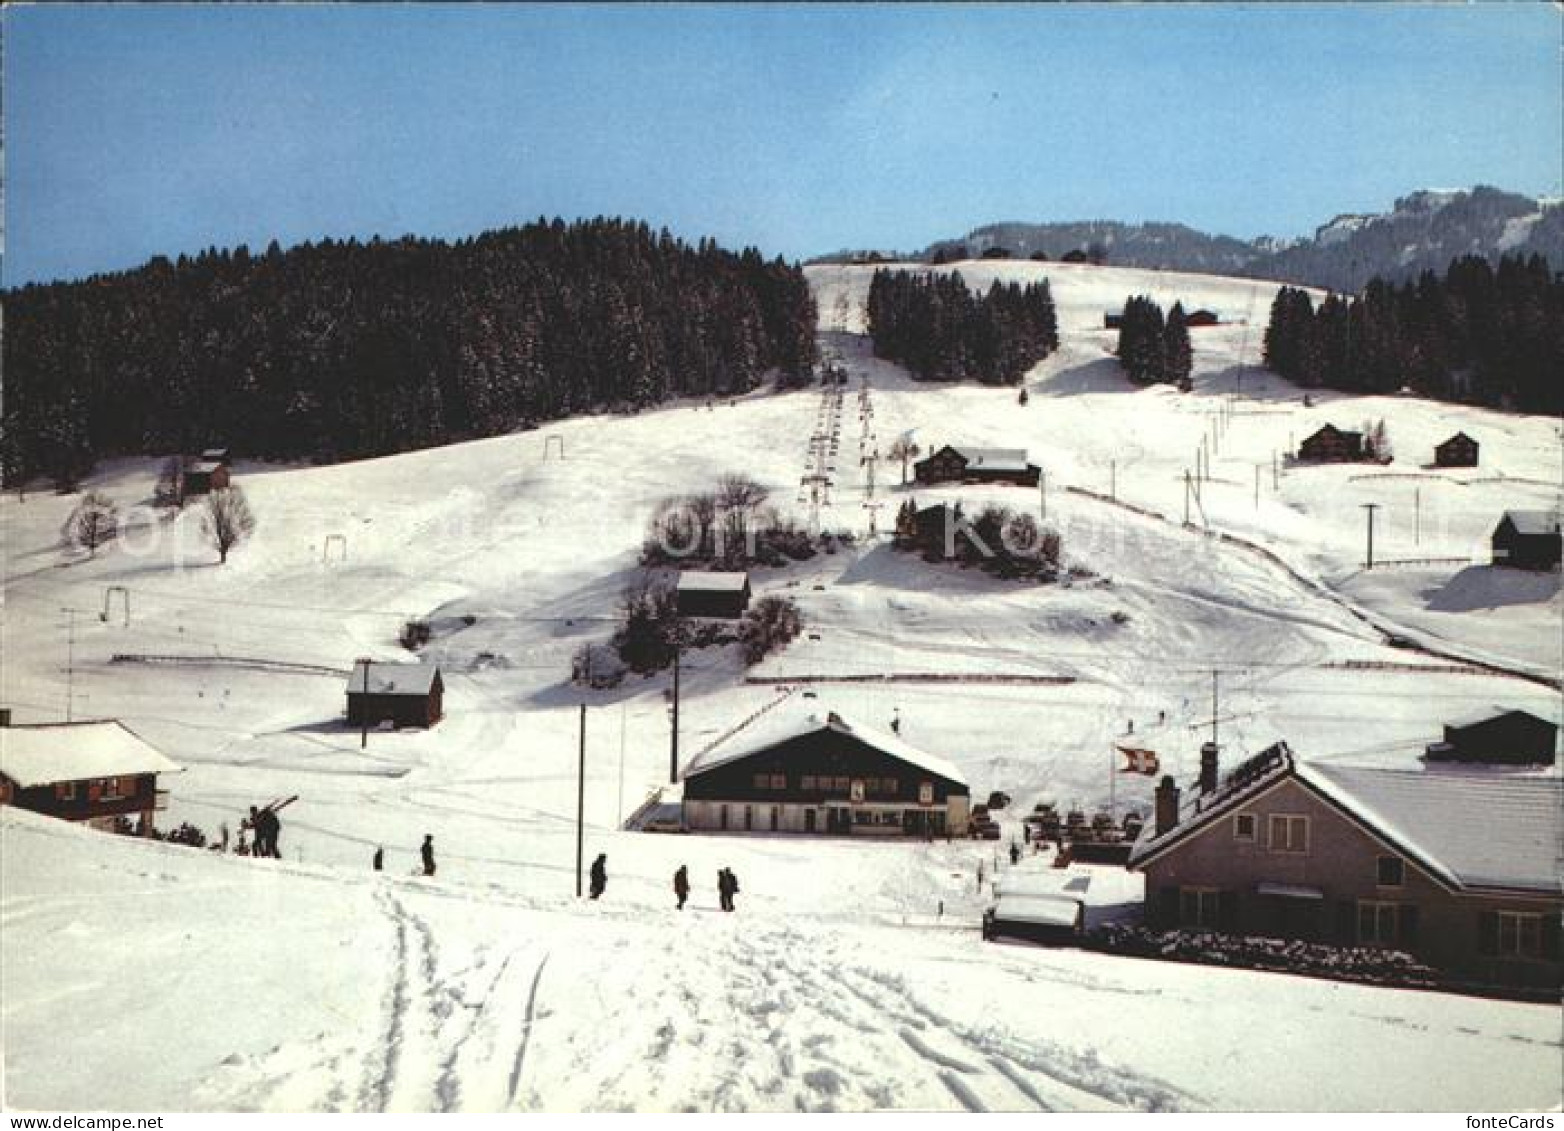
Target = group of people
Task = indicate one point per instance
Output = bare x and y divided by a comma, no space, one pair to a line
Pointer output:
265,827
426,853
727,887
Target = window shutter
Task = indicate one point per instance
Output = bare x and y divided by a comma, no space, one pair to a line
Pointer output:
1550,936
1346,922
1227,910
1407,927
1488,932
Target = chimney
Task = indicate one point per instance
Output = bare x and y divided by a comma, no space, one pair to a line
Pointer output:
1208,767
1167,805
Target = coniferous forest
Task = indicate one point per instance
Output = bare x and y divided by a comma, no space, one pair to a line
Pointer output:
1152,348
338,350
1479,334
941,331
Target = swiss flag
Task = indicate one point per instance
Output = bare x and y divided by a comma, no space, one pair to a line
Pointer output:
1138,761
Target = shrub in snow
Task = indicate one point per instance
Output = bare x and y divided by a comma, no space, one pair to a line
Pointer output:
1350,963
645,642
415,634
91,523
597,666
768,625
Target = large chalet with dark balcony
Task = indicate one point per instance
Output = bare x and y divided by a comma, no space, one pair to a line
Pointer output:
819,773
977,465
99,773
1332,445
1460,869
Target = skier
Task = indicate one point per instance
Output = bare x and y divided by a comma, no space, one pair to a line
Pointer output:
1015,854
681,885
733,888
268,827
722,888
380,858
427,852
599,874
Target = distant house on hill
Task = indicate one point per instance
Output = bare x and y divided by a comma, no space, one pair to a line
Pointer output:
977,465
1459,450
722,595
408,695
813,773
203,476
1202,317
1112,321
1332,445
93,772
1460,870
1497,736
1527,540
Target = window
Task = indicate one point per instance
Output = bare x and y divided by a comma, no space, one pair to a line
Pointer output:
770,781
1289,833
889,786
110,789
762,781
65,791
778,781
1520,935
1392,872
841,785
1243,826
807,783
1198,907
863,817
1378,923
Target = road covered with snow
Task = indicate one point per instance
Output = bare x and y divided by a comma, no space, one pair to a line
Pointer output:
852,976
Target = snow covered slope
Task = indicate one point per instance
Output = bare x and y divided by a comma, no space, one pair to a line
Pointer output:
842,987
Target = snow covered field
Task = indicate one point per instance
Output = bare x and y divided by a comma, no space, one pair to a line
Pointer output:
312,983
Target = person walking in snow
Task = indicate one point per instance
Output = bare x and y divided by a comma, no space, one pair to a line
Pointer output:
1015,854
681,885
380,858
427,852
599,875
733,888
727,887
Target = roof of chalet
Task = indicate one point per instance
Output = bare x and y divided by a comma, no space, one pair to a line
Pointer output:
1533,522
33,755
1453,439
774,730
203,466
693,581
393,679
1467,830
991,459
1324,428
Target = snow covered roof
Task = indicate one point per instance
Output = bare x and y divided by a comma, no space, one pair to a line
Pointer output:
1457,436
57,752
1477,830
773,731
393,679
995,459
1040,910
1467,830
691,581
1533,522
203,466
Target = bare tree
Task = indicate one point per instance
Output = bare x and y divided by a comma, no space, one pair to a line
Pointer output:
738,497
904,449
228,520
170,489
92,522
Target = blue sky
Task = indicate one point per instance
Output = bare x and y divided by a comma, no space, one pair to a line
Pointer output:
134,131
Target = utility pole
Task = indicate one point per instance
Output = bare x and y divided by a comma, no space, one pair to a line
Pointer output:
1417,516
673,753
1113,480
70,661
363,738
1042,486
1257,468
1371,508
1276,473
581,763
1213,706
1186,496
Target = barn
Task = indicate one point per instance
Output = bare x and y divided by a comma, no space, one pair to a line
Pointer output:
1459,450
99,773
1458,869
1332,445
1498,736
719,595
813,772
977,465
203,476
408,695
1527,540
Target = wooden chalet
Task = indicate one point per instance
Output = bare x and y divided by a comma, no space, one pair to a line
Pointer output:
1332,445
1527,540
819,773
1459,450
1459,869
1198,318
977,465
99,773
408,695
723,596
203,476
1500,737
